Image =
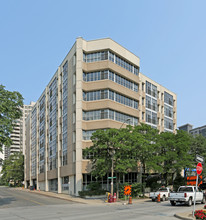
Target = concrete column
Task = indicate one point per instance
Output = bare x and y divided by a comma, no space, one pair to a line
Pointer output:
78,161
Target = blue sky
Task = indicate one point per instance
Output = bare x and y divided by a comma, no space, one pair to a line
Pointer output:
169,36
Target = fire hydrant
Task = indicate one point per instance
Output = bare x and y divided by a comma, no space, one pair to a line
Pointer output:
110,198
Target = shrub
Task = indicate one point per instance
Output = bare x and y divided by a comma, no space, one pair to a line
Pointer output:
92,193
136,189
200,214
93,186
179,181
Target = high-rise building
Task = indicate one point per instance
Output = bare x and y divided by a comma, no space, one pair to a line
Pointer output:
97,86
194,131
18,134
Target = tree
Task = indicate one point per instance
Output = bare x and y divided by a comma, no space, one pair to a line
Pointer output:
111,149
145,146
10,104
198,147
13,169
174,153
144,142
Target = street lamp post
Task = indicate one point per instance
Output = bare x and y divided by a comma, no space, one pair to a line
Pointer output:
128,119
112,169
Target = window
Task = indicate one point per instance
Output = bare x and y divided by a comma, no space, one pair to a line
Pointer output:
151,117
168,111
109,114
151,89
107,55
108,94
168,99
168,123
107,74
86,135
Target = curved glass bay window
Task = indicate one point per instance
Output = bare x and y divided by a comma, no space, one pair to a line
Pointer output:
107,74
108,94
108,55
109,114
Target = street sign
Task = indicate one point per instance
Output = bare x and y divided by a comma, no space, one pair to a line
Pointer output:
111,177
191,180
127,190
199,168
199,159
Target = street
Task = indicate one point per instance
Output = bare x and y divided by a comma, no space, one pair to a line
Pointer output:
16,205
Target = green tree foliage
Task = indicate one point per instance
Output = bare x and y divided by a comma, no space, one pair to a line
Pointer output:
144,150
144,142
174,153
108,145
13,169
10,103
198,147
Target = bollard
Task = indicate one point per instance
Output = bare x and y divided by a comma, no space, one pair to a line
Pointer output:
130,200
158,198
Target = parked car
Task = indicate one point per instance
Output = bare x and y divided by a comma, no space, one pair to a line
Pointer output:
163,191
186,195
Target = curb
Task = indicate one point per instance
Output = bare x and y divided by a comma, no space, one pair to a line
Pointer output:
184,216
57,197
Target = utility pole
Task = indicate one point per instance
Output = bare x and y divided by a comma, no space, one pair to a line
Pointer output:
112,183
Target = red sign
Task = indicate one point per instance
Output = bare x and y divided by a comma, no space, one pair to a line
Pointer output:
199,168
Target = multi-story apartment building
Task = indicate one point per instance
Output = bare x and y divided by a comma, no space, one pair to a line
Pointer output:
18,134
97,86
194,131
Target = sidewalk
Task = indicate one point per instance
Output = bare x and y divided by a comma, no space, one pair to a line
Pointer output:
81,200
185,215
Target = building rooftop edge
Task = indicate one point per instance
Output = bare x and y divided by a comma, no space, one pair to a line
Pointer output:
184,125
157,83
108,38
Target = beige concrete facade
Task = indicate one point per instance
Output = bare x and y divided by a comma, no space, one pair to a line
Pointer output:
58,130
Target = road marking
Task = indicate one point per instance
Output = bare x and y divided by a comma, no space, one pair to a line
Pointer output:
35,202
